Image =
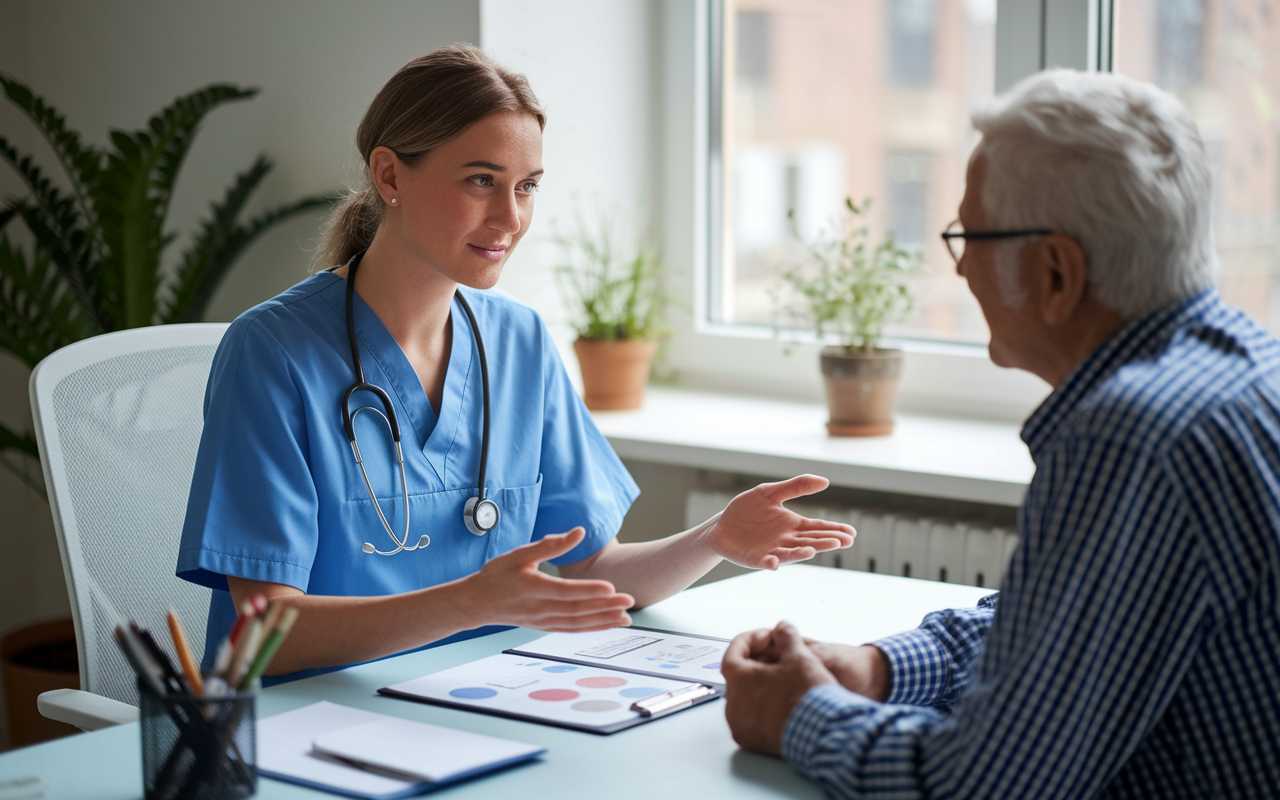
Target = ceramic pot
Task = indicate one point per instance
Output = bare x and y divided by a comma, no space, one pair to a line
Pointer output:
614,372
34,660
861,390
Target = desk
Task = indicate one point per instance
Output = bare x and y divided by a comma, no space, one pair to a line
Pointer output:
690,754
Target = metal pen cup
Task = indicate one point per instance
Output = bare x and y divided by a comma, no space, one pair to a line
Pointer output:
198,748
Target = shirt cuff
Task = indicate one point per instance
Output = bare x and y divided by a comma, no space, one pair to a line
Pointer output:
809,720
918,665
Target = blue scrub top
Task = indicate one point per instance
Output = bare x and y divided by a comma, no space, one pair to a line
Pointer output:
277,495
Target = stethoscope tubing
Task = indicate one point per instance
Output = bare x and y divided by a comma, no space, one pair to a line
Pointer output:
348,423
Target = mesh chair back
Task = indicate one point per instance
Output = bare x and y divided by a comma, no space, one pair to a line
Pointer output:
118,419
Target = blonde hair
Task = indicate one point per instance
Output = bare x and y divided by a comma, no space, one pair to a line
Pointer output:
426,103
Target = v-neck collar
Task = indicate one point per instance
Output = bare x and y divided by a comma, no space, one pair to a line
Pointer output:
435,435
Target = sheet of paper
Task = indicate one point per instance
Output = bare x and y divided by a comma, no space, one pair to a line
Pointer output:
426,752
680,656
285,749
540,688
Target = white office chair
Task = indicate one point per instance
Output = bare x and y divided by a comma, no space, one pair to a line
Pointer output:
118,420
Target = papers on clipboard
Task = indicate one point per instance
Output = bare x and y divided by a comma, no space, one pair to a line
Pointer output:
599,682
360,753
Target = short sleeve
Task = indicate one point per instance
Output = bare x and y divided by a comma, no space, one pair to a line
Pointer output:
583,480
253,508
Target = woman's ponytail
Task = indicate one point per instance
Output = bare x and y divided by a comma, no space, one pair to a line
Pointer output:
351,227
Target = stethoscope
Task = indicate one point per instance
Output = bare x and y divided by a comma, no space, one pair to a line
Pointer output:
479,514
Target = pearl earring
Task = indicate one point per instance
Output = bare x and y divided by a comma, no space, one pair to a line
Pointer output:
393,201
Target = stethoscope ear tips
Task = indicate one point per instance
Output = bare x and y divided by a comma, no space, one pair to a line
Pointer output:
368,548
423,541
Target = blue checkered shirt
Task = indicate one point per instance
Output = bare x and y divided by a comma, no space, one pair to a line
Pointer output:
1134,650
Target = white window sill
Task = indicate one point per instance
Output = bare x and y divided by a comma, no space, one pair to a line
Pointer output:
933,456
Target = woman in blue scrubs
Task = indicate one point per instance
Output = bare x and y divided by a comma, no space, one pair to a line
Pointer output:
279,506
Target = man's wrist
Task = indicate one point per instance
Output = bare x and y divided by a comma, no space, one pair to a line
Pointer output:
879,673
913,660
809,719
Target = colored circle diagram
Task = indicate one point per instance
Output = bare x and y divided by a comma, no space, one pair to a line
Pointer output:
473,692
601,682
639,691
595,705
553,695
558,668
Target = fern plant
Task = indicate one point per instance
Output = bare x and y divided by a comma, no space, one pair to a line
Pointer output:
849,286
615,297
95,265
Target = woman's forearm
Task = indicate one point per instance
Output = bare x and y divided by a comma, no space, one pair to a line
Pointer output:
508,590
651,571
332,631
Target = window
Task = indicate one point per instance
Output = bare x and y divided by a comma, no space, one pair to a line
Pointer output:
826,99
911,26
1216,56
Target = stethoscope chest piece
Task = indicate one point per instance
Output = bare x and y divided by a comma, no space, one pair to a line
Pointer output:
480,515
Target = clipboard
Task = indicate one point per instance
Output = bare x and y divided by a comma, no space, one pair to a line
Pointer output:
600,682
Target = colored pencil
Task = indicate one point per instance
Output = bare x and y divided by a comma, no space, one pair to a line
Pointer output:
244,652
185,656
269,648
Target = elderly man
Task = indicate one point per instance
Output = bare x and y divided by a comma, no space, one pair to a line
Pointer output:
1134,650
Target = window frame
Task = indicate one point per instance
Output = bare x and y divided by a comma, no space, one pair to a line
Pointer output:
940,377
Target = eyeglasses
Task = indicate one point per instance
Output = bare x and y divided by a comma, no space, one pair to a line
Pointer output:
954,237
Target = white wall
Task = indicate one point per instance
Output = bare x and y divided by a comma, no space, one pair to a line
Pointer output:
318,63
595,68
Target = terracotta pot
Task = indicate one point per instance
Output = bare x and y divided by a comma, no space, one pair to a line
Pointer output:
34,660
614,373
861,390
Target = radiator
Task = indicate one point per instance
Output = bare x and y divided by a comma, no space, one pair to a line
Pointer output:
894,543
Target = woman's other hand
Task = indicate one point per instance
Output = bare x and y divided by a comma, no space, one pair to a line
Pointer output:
510,590
756,531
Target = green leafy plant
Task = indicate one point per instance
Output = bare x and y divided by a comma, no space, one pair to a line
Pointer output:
848,286
95,265
615,297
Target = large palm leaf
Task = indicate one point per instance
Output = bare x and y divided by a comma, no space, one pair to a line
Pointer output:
96,261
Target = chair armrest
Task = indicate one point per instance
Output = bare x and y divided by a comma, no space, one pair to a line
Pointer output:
85,710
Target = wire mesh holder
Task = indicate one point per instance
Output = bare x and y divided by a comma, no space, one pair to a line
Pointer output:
198,748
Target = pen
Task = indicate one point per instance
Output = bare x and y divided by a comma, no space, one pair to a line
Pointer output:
139,660
245,650
172,680
188,660
251,608
673,700
268,650
269,622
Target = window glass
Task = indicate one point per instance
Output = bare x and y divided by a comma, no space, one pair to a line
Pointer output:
1221,59
823,99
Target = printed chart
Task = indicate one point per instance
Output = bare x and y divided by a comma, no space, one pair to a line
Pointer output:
526,686
693,658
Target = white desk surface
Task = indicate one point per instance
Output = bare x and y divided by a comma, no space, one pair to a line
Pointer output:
956,459
689,754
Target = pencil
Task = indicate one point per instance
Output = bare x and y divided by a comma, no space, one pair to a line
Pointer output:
268,650
188,661
141,661
248,610
246,648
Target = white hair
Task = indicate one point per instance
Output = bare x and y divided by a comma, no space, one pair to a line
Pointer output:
1114,163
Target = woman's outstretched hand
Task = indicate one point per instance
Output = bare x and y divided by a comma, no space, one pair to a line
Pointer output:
756,531
510,590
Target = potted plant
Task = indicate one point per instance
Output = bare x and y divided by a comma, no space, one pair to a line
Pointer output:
95,265
619,303
849,288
